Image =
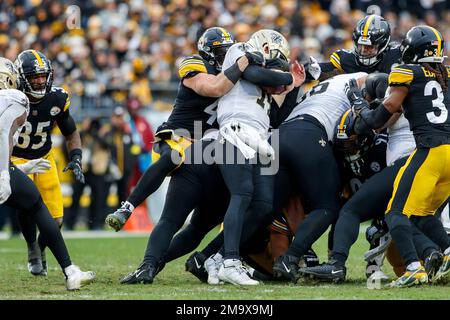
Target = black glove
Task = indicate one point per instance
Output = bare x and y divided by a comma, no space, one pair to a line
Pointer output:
255,57
355,97
75,166
278,64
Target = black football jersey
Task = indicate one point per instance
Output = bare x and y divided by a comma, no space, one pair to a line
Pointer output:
191,107
35,138
347,61
426,106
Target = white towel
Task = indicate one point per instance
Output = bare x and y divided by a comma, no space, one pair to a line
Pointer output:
248,140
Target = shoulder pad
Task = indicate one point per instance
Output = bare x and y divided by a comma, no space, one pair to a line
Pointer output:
401,75
191,65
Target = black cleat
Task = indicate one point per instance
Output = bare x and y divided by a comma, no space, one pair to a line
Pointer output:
286,268
143,274
118,219
330,271
432,264
310,258
195,265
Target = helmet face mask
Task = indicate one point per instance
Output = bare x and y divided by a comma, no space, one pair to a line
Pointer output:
423,44
271,44
213,46
9,76
371,37
36,73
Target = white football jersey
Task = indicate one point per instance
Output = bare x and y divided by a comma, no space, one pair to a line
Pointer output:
326,102
245,103
13,97
401,141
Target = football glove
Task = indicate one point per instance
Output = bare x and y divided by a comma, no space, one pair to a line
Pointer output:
313,68
5,186
75,166
255,57
35,166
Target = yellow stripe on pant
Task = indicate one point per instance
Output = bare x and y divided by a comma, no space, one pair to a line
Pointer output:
48,185
423,184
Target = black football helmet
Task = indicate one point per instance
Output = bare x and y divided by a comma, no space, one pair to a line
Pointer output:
372,32
214,44
347,142
423,44
31,64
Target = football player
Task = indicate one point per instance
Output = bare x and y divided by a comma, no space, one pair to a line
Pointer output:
202,83
49,106
17,190
372,50
421,186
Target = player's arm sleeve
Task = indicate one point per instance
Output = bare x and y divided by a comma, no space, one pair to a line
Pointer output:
401,76
335,62
265,77
279,113
327,66
66,123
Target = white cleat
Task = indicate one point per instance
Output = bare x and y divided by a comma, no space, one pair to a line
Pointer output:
232,271
212,265
75,278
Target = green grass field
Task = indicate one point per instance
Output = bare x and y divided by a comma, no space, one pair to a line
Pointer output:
112,258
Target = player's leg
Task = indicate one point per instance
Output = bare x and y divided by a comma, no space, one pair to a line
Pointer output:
307,153
414,194
162,165
182,197
26,198
237,173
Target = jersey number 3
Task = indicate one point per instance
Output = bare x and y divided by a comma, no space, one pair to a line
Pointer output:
437,103
24,137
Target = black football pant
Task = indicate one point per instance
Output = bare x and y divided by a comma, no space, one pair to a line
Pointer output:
306,152
249,189
26,199
154,176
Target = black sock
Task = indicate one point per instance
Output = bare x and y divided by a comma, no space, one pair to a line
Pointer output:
184,242
214,246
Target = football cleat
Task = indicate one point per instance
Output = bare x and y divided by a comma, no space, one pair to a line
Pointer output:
444,269
35,263
432,264
195,264
143,274
75,278
286,268
310,258
330,271
118,219
410,278
232,271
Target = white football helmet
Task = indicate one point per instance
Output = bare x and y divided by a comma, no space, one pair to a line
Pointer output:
270,43
9,77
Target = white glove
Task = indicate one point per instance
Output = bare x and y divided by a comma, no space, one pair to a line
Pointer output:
5,187
35,166
313,68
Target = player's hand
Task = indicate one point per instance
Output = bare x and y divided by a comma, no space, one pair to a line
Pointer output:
75,166
255,57
35,166
313,68
5,186
352,91
298,73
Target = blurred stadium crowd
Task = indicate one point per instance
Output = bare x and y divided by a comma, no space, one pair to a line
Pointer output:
110,53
